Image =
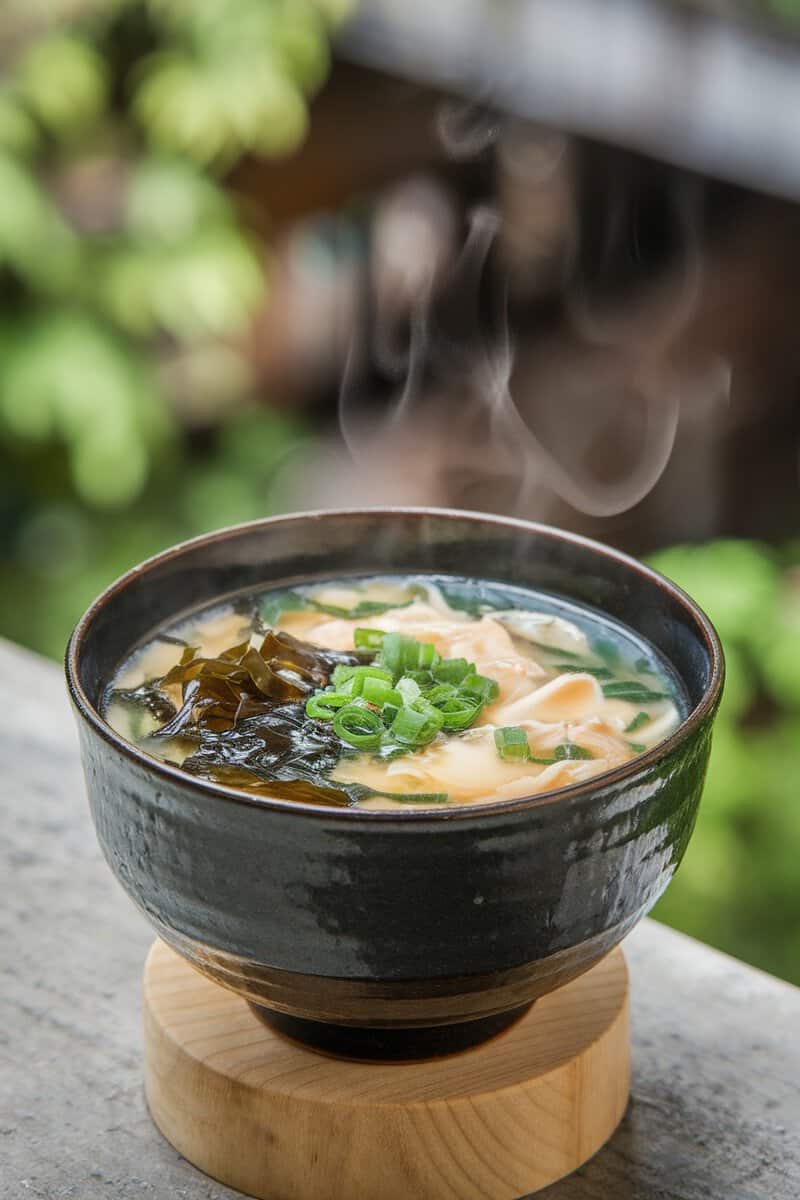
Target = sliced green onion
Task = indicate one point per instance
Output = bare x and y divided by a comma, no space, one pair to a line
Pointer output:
368,639
359,727
460,712
551,650
428,655
570,750
408,689
323,706
424,679
637,747
379,692
579,669
400,653
441,693
512,743
453,670
480,687
628,689
396,650
355,676
638,721
413,797
417,725
364,608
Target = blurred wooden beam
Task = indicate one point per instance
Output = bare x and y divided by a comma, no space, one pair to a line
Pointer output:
689,83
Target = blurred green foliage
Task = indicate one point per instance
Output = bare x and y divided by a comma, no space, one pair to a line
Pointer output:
739,885
129,412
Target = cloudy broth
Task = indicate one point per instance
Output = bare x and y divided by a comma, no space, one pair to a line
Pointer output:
395,693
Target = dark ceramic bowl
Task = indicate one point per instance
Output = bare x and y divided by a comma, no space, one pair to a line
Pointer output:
393,920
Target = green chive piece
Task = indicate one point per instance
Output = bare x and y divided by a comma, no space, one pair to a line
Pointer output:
480,687
412,797
638,721
441,693
424,679
551,650
637,747
368,639
324,705
460,712
512,743
379,691
354,677
364,608
428,656
409,689
569,750
358,726
579,669
629,689
417,724
453,670
400,653
396,648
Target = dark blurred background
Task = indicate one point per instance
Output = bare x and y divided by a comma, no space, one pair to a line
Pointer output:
255,257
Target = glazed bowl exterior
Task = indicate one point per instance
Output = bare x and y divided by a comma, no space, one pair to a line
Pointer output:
393,919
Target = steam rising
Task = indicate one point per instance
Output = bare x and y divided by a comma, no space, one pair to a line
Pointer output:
460,414
466,129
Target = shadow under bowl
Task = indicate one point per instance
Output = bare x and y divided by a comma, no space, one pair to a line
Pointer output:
397,921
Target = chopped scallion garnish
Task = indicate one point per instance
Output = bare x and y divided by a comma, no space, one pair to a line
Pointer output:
368,639
459,713
355,676
512,743
417,724
400,653
324,705
453,670
409,689
570,750
638,721
629,689
359,727
480,687
379,692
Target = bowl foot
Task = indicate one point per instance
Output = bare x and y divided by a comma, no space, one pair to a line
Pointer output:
388,1045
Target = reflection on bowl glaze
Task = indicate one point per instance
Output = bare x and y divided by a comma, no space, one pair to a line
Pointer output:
393,919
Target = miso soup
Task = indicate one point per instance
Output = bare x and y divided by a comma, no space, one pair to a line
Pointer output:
390,692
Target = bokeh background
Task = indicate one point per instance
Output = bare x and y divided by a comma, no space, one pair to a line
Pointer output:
241,272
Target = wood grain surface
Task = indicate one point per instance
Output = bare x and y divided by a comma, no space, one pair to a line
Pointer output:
281,1122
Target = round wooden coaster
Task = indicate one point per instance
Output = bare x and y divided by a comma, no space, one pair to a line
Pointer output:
281,1122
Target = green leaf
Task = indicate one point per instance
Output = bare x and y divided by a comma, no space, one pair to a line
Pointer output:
64,82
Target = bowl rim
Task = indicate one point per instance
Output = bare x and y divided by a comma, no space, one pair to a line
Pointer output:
572,793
